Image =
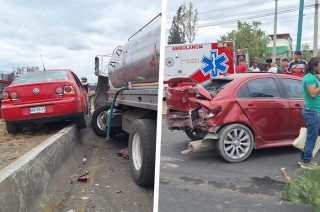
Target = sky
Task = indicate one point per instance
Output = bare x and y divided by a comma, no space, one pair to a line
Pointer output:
69,33
217,18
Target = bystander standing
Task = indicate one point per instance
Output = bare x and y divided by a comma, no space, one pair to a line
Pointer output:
297,66
242,67
254,67
311,110
85,84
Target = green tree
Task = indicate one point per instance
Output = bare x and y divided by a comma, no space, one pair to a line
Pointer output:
251,37
306,53
176,33
189,21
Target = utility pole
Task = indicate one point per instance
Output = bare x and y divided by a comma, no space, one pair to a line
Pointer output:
315,38
300,25
274,52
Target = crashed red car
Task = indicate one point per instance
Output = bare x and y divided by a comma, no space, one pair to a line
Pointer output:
237,112
3,84
44,96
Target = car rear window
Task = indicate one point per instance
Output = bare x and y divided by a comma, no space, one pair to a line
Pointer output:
41,76
216,84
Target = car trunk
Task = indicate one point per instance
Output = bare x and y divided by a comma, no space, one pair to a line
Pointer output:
37,92
190,104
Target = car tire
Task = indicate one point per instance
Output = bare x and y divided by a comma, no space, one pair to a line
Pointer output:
235,143
195,134
142,141
81,121
13,128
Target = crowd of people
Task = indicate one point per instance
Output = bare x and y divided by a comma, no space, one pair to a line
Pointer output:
296,67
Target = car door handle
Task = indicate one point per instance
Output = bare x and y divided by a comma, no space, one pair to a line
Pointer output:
251,107
296,107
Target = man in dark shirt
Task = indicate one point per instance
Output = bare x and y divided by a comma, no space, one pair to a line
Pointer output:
85,84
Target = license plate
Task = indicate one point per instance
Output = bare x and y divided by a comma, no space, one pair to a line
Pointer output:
34,110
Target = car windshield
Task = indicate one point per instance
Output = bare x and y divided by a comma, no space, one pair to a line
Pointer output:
41,76
216,84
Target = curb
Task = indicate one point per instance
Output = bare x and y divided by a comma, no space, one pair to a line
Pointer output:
38,179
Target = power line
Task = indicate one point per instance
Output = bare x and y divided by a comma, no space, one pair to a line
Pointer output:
287,10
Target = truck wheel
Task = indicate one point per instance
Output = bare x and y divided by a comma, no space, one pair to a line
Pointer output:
81,121
99,122
235,143
142,142
13,128
195,134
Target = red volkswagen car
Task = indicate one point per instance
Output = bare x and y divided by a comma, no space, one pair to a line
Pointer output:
241,111
42,97
3,84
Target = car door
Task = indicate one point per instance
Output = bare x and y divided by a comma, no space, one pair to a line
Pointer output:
83,93
268,112
294,92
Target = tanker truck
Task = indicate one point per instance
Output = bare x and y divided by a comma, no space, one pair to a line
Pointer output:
126,97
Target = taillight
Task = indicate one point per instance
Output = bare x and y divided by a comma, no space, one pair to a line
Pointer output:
64,90
5,96
59,91
14,95
68,90
10,95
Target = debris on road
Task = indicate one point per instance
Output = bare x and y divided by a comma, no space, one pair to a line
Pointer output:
304,187
83,179
123,153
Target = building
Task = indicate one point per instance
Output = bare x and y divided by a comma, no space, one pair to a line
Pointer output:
283,46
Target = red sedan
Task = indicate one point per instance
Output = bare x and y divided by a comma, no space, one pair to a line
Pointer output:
42,97
238,112
3,84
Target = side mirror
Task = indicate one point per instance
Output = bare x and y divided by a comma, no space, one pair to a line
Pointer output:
96,66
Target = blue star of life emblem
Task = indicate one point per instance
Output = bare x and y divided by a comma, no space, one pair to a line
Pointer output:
214,64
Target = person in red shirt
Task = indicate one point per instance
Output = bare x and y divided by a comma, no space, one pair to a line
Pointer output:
285,64
242,67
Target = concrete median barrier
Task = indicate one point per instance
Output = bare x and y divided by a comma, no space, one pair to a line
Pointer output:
37,180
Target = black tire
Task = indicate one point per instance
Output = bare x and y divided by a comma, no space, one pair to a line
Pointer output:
142,141
99,122
195,134
81,121
235,143
13,128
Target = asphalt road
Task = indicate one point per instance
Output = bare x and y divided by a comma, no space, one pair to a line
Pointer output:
204,182
110,187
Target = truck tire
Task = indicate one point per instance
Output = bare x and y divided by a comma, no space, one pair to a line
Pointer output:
13,128
99,122
142,141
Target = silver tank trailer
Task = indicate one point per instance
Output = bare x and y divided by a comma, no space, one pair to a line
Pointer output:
137,61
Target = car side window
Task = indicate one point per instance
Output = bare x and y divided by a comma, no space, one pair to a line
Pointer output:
259,88
77,80
293,88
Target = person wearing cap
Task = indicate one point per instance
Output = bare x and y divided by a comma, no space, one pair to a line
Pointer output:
297,66
85,84
242,67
